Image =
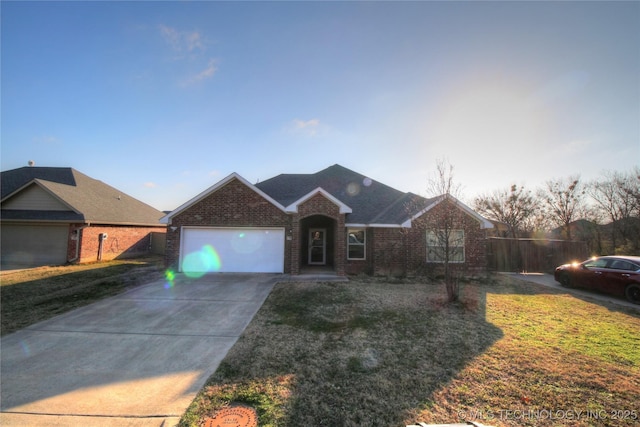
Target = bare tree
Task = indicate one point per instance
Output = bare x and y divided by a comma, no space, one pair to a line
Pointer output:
633,189
563,200
442,182
512,207
443,234
617,197
537,224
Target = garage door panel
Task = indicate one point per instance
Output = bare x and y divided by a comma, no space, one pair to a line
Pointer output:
34,245
257,250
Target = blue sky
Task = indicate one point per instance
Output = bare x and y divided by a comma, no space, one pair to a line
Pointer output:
163,99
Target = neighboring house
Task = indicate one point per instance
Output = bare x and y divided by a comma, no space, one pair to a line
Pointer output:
334,218
53,216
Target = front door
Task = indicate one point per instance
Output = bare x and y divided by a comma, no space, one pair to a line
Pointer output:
317,246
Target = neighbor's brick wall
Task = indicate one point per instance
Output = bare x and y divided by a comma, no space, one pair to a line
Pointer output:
234,205
122,242
73,242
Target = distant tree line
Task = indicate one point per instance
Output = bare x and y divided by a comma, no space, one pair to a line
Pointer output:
605,213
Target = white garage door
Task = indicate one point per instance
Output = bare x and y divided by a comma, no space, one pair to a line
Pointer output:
232,250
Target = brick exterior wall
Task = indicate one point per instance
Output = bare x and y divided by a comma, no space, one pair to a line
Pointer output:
233,205
395,251
320,205
401,251
365,266
122,242
474,238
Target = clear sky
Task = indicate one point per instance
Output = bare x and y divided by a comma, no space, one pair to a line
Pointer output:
163,99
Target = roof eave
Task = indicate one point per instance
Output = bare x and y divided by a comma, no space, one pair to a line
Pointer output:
355,225
128,224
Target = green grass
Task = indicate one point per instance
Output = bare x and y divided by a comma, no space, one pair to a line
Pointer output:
380,354
33,295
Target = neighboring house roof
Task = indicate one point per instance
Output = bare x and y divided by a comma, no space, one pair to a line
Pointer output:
365,201
81,198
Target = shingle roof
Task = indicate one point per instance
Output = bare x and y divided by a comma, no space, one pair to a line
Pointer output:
371,201
92,200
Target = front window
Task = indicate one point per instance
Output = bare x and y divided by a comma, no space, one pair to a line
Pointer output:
356,243
439,240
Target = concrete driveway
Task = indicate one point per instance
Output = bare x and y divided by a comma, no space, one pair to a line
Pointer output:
137,359
548,280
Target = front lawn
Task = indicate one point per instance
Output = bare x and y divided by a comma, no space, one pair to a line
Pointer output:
36,294
372,353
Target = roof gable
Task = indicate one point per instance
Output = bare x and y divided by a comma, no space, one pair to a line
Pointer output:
35,196
88,198
215,187
293,207
14,179
484,223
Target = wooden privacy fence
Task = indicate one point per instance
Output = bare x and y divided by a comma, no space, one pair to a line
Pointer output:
532,255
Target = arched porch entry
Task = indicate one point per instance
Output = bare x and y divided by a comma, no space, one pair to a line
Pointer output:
318,243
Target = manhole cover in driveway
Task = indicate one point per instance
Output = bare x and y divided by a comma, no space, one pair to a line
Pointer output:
233,416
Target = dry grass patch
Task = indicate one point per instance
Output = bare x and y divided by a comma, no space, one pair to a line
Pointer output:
562,361
36,294
379,354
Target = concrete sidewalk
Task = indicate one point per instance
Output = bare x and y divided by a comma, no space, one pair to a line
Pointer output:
137,359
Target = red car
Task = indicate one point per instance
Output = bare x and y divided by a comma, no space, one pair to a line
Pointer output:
615,275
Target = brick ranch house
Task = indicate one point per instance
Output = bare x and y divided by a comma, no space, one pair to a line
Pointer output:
334,219
54,216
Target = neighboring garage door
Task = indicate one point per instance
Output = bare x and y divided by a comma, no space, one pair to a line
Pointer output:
232,250
34,245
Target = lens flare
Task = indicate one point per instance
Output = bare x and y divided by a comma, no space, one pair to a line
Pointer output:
170,276
243,243
25,348
197,264
353,189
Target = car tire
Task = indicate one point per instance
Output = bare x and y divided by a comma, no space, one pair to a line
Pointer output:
632,293
565,280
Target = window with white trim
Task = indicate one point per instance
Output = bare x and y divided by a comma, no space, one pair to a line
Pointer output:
356,243
437,245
